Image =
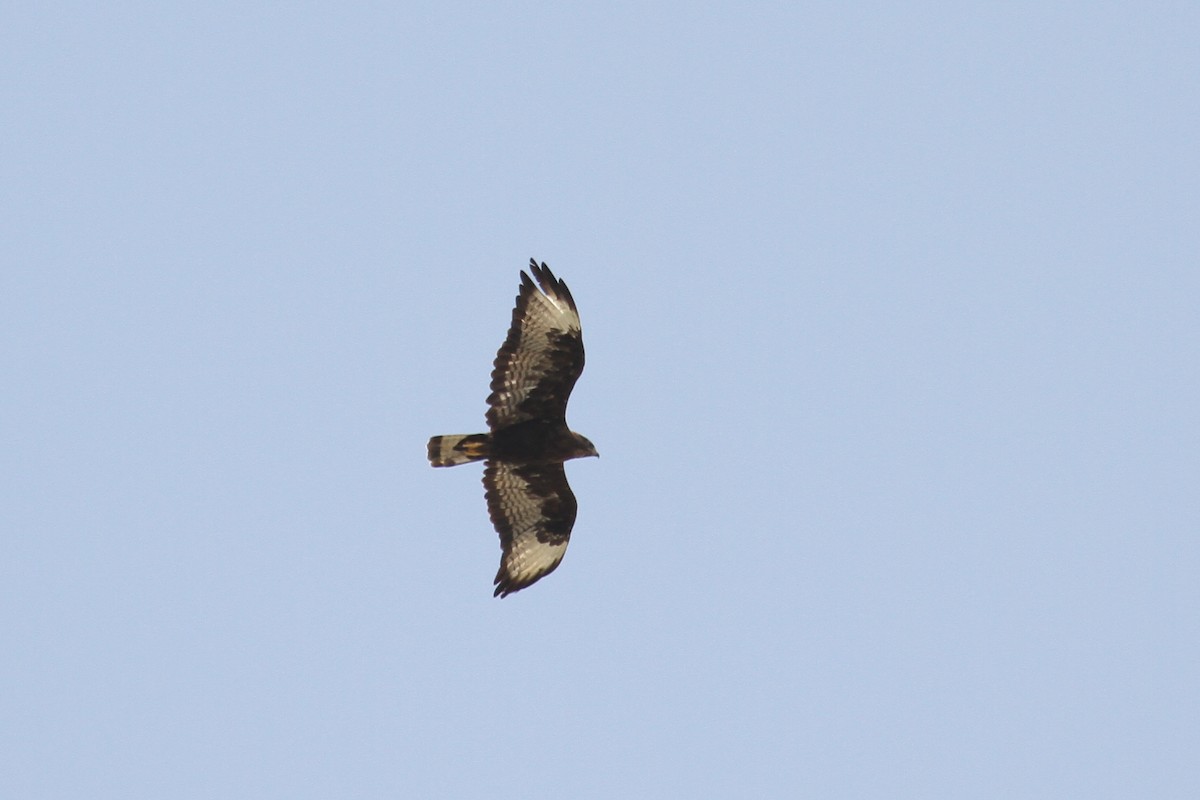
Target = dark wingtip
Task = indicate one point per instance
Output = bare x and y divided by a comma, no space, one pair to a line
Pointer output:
506,584
526,284
543,274
551,285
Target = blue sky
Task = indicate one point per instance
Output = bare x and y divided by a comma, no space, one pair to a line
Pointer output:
891,316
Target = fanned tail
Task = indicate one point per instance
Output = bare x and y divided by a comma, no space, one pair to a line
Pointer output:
449,451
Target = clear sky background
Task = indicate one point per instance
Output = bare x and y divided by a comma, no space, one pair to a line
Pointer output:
892,327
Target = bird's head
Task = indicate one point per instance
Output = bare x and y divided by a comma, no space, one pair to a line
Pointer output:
586,448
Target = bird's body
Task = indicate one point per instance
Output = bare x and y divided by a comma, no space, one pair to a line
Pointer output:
529,501
533,441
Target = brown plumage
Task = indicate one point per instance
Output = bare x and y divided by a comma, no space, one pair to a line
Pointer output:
530,503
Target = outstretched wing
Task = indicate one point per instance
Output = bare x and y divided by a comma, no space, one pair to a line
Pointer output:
533,510
541,359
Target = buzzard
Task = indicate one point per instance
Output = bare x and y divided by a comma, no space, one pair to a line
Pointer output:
528,498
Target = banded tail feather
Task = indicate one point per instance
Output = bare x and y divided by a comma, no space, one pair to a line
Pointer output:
449,451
